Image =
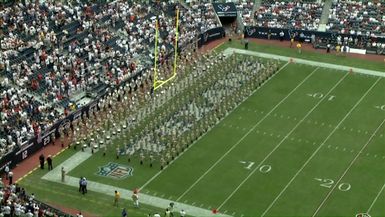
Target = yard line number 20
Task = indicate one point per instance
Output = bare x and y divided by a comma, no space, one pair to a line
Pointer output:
328,183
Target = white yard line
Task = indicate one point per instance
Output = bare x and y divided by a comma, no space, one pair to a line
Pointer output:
158,173
375,199
307,62
246,134
284,138
347,169
322,144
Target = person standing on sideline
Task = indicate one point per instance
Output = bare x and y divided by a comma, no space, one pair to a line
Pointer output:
299,47
84,184
49,162
281,36
124,212
41,159
116,198
246,44
10,177
63,174
135,198
182,213
6,170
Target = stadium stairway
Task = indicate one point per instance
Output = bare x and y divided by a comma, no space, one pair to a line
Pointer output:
257,4
325,15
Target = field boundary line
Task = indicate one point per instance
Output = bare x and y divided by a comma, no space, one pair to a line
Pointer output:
248,132
375,199
307,62
284,139
347,169
78,158
127,194
158,173
319,147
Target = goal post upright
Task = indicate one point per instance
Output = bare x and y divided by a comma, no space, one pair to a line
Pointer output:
156,53
159,83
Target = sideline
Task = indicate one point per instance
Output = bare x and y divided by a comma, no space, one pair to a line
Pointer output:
228,51
78,158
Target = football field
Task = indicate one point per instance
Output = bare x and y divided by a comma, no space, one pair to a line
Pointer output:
309,142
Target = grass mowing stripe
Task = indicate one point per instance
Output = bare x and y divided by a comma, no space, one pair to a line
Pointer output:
284,139
322,144
251,130
347,169
158,173
375,199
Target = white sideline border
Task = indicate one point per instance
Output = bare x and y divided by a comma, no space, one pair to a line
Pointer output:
306,62
78,158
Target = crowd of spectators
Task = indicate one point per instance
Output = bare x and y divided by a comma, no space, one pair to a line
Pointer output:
298,14
16,202
52,51
357,17
246,10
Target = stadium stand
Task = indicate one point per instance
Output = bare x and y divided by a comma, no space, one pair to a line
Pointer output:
16,202
289,14
357,17
55,51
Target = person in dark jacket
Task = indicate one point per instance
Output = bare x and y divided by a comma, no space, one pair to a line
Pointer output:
49,162
41,159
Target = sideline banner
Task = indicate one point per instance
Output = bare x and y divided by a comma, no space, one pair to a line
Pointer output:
211,35
262,33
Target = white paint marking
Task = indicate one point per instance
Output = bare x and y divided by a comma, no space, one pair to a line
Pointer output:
287,136
375,199
247,133
350,165
322,144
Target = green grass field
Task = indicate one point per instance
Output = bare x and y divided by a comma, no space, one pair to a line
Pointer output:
310,142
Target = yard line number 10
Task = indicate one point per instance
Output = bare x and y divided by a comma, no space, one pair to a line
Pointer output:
263,169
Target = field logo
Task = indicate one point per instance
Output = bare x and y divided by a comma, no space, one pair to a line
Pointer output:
362,215
115,171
